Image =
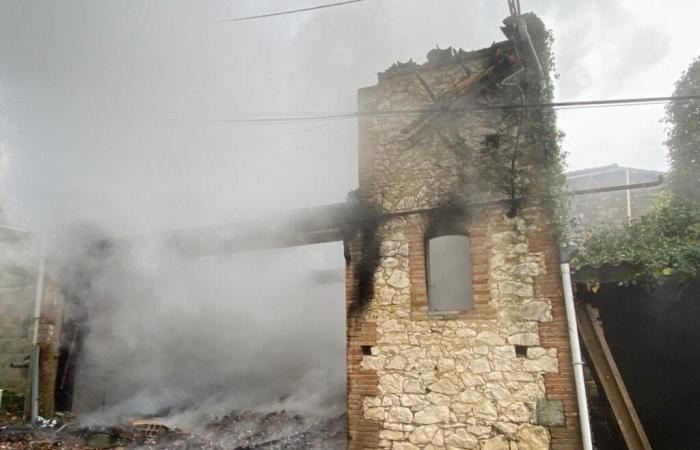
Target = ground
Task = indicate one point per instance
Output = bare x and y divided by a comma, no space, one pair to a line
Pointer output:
234,431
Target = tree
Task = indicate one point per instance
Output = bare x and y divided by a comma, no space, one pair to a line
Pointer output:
683,137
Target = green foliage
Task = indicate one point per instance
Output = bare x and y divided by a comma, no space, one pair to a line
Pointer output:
543,133
664,244
683,136
527,163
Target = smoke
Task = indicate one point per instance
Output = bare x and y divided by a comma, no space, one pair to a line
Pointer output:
250,331
114,118
115,124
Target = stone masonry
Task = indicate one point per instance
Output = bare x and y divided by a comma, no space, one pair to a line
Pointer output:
18,280
494,377
17,293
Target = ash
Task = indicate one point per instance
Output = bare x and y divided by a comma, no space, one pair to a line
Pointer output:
234,431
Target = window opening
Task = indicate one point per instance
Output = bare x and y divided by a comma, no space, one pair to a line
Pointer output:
449,269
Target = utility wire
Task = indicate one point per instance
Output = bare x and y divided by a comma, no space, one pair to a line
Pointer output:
286,117
292,11
301,117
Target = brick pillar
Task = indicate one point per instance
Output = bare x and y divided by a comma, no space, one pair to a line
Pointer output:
555,334
361,336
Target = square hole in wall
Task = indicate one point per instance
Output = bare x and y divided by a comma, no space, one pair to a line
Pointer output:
367,350
521,351
492,142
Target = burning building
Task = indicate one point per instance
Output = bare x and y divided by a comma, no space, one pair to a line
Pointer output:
456,328
457,335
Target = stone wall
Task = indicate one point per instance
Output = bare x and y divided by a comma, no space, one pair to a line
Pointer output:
17,293
18,281
497,376
610,208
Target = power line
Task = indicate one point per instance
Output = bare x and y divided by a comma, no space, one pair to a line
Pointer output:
292,11
302,117
288,117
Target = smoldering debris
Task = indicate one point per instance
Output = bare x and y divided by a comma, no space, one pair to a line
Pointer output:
235,431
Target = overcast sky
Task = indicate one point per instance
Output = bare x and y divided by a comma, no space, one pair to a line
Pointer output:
107,106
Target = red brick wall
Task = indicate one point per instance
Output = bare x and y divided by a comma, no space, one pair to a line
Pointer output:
362,433
476,230
555,334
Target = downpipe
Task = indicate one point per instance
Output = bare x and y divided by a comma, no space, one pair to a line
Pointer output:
577,360
533,60
35,360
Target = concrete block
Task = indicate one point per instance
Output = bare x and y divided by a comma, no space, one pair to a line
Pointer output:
550,413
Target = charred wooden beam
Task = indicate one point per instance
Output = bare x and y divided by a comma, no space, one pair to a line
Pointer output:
299,227
306,226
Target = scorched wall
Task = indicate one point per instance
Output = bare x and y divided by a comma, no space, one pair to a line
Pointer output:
493,376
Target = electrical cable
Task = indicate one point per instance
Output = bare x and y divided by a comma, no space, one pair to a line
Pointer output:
292,11
302,117
288,117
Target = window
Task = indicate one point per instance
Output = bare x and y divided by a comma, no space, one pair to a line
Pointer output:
449,273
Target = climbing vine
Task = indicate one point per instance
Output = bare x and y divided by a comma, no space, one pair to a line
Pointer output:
545,137
502,167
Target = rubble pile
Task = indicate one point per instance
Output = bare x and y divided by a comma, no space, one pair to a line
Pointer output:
235,431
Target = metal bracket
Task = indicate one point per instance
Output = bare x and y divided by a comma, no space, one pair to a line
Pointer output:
514,78
19,365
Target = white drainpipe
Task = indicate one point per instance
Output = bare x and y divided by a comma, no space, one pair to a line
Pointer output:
35,338
576,356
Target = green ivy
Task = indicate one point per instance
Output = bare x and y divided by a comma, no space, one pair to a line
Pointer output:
500,169
544,135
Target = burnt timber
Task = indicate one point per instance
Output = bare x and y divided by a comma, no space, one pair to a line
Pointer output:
298,227
306,226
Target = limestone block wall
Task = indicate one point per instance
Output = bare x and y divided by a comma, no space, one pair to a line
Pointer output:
403,162
474,379
494,377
